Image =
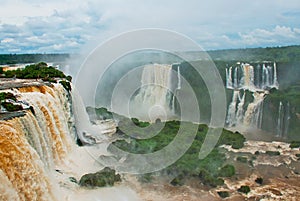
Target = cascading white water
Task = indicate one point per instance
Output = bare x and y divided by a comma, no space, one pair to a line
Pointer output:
283,119
248,78
266,77
231,114
240,110
154,98
35,145
178,88
253,113
229,78
87,132
236,84
287,119
50,110
178,78
257,80
279,120
275,81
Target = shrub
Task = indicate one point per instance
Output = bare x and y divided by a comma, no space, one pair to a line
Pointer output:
140,123
227,171
295,144
223,194
34,71
66,85
236,140
11,107
242,159
244,189
177,181
259,180
273,153
207,179
105,177
7,95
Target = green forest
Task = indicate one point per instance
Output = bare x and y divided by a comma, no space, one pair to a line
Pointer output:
278,54
31,58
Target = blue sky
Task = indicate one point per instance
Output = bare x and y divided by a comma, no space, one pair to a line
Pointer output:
34,26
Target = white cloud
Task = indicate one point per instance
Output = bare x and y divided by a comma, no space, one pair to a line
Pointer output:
280,34
284,31
36,25
7,40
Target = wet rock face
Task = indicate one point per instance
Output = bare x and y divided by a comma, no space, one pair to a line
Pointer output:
105,177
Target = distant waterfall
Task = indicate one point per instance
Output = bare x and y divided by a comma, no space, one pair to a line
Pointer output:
229,84
283,119
253,114
275,80
178,78
248,78
155,97
231,114
240,110
253,78
256,79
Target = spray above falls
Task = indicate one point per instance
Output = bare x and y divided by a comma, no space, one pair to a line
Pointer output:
155,98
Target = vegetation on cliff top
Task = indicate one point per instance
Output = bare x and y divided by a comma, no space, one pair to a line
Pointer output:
34,71
39,71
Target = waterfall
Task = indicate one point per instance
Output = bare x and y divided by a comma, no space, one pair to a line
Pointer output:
21,166
275,81
283,120
253,79
286,120
154,96
248,76
45,126
231,114
34,144
236,84
178,88
178,78
268,74
279,120
87,132
253,113
256,80
229,84
240,110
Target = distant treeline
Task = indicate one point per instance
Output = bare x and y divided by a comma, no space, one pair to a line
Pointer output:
278,54
31,58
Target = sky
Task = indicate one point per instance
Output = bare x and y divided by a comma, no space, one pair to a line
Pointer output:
69,26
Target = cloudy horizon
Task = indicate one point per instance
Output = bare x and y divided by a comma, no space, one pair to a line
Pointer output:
33,26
